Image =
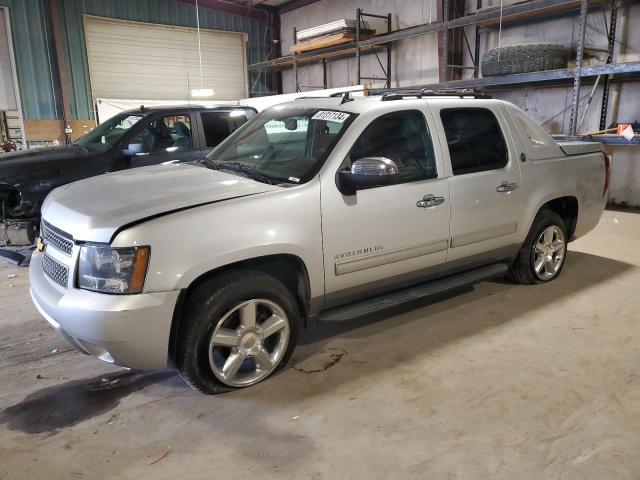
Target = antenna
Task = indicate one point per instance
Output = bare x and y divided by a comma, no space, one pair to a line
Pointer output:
200,92
199,45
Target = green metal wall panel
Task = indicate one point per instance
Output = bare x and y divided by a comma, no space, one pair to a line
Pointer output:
35,58
37,62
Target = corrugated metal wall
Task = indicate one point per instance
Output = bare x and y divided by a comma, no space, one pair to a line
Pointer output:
35,63
36,59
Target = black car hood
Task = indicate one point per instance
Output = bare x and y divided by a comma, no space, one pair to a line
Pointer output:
27,176
34,165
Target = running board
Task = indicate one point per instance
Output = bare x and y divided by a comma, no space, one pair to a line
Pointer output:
366,307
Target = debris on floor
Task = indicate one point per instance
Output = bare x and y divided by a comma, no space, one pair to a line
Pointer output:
162,456
321,361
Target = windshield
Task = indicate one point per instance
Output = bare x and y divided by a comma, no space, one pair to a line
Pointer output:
105,134
286,145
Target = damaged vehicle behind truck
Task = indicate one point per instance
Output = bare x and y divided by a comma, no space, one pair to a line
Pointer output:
134,138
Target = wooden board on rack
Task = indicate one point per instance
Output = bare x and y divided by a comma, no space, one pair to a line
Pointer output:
326,41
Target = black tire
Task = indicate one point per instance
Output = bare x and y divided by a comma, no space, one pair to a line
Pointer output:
523,270
204,308
531,57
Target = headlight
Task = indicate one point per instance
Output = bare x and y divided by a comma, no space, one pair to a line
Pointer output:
112,270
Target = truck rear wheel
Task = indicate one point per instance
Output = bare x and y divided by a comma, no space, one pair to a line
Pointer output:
544,251
238,329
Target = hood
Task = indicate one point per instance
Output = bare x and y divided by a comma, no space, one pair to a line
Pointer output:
39,166
95,208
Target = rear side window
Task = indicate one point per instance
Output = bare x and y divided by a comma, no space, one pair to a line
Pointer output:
402,137
219,125
475,140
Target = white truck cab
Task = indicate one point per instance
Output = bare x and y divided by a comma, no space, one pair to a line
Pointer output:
316,209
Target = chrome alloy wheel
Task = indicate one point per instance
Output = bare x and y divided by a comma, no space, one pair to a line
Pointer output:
248,342
549,252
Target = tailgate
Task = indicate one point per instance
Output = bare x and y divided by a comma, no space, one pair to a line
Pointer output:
580,148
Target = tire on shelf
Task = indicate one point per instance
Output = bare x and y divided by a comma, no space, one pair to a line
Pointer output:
524,58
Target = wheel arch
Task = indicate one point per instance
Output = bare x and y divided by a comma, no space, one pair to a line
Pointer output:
565,204
288,268
567,207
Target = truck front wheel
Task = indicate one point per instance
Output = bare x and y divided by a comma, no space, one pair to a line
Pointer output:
238,328
544,251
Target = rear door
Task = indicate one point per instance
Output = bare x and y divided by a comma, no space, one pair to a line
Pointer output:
485,185
386,237
216,125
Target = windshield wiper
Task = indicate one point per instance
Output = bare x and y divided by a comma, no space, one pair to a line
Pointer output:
238,167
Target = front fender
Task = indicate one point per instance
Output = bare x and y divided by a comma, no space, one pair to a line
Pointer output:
188,244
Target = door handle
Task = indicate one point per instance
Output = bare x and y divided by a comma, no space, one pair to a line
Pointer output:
506,187
429,201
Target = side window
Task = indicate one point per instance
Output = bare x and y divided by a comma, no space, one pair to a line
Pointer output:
219,125
402,137
475,140
166,134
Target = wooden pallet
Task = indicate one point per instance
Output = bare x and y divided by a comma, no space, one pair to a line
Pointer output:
326,41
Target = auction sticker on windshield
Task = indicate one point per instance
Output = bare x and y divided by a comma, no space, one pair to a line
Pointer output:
338,117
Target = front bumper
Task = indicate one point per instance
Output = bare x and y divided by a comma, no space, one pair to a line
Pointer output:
128,330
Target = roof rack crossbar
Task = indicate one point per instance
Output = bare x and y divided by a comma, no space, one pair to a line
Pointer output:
398,94
342,92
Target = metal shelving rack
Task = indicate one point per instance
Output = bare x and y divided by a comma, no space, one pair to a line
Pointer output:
533,10
340,51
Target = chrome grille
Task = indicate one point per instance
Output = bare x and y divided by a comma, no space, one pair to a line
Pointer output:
58,239
58,272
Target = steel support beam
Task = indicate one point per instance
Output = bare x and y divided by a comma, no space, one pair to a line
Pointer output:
65,82
577,74
476,47
245,11
358,18
607,79
296,85
389,20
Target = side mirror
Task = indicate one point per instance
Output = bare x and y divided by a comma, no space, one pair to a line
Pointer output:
368,172
136,149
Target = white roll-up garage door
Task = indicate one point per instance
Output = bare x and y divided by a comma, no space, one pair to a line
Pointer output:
7,92
160,62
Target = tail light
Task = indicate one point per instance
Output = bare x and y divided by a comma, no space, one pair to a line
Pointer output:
607,172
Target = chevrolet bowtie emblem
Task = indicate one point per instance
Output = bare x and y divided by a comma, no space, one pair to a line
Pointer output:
40,244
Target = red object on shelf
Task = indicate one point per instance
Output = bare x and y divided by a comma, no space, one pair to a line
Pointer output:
9,146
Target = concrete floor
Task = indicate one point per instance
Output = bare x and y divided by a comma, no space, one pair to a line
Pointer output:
498,382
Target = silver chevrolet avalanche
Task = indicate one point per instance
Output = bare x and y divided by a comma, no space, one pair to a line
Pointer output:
321,209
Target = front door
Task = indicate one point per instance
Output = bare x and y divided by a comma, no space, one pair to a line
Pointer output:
168,138
386,237
486,187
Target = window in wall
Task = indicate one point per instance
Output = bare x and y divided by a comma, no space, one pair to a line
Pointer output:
402,137
475,140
